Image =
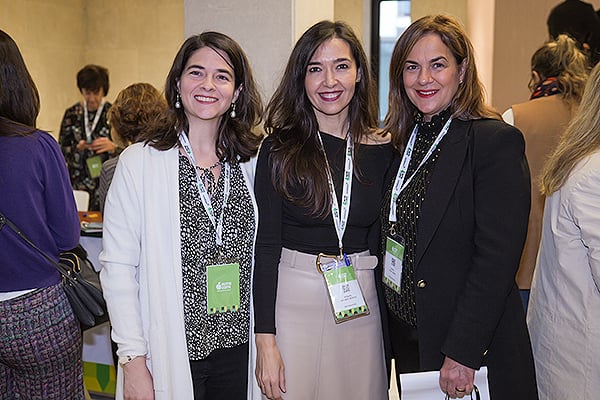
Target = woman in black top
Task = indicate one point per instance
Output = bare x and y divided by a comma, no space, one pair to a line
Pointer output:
322,138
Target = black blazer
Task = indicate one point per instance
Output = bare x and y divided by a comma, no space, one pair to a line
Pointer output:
472,227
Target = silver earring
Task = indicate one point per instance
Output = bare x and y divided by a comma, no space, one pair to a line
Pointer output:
178,101
232,114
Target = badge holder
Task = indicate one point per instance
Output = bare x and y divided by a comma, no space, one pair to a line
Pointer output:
345,296
223,287
393,259
94,165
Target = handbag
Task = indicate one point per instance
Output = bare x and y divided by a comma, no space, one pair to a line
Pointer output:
80,280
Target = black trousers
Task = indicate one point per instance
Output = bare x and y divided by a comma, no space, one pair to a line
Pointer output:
223,375
405,348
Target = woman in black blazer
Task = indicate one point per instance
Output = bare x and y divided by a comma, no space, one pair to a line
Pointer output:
455,220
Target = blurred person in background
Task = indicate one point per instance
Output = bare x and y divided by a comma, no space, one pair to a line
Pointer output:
577,19
129,117
559,71
85,133
40,338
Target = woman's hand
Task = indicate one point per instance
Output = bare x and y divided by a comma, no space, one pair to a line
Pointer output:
103,145
456,380
137,381
82,145
270,372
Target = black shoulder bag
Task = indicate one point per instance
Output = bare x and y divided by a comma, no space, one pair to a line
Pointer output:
80,280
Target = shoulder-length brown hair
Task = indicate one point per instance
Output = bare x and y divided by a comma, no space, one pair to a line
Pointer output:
469,100
236,140
132,111
296,159
19,97
581,138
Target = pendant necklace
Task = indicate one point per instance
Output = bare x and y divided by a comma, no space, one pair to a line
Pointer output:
208,177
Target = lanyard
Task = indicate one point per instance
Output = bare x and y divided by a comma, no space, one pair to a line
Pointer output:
400,184
340,220
86,123
206,202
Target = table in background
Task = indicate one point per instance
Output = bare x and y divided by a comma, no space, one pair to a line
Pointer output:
99,371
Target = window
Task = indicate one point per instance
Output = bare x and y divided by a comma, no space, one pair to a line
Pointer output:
390,19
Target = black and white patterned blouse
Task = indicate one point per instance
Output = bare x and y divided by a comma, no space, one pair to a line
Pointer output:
205,332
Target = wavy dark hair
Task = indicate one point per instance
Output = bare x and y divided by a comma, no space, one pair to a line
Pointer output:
93,77
19,97
468,102
298,170
236,140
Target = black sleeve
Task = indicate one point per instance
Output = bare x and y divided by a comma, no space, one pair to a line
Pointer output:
502,199
268,244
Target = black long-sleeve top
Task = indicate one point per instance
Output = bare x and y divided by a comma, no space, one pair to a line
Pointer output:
283,224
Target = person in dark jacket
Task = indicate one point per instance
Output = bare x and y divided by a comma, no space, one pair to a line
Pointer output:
577,19
457,214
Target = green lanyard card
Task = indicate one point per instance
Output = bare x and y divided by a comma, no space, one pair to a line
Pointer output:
392,263
94,165
223,288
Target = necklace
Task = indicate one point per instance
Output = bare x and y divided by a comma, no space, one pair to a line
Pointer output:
208,177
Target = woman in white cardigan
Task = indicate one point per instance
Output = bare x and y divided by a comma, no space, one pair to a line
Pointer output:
179,230
564,307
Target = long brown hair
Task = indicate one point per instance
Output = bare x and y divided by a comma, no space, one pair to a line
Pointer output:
581,138
236,140
469,100
296,158
19,97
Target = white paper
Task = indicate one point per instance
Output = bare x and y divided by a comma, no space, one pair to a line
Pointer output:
426,386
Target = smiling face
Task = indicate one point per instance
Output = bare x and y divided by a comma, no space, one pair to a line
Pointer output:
331,77
207,86
431,75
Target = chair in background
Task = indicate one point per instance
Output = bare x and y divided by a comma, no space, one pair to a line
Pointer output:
82,199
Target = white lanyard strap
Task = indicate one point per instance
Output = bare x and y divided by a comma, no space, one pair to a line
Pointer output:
204,196
86,122
340,220
400,184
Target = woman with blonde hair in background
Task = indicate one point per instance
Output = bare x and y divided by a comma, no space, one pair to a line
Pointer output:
558,74
564,308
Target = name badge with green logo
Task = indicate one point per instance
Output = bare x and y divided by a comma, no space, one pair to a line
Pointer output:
345,295
392,263
94,165
223,288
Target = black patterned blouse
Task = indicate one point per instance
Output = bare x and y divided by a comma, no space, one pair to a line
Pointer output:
205,332
72,131
403,305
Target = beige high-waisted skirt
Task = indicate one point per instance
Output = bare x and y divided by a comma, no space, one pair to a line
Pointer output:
324,360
